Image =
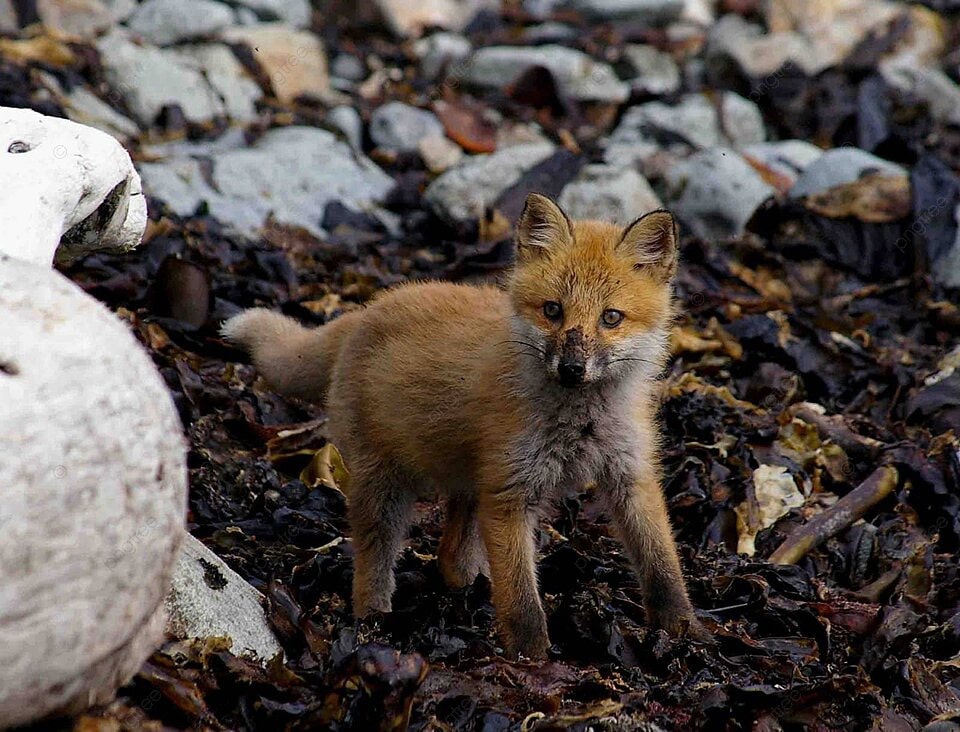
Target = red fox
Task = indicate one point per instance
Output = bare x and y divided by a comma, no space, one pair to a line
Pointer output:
500,400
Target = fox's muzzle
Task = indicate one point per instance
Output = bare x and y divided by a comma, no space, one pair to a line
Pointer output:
573,358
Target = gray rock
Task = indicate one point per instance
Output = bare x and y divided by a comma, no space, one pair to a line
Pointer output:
788,158
293,12
441,51
608,193
149,78
932,86
8,17
209,600
398,127
580,76
655,72
715,192
290,174
411,18
838,166
693,124
549,32
238,92
461,194
658,12
946,268
757,55
348,67
346,119
120,9
85,107
165,22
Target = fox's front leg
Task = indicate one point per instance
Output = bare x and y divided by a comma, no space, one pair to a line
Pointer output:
639,514
507,525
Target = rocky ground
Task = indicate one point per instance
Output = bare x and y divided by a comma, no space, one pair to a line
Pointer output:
305,155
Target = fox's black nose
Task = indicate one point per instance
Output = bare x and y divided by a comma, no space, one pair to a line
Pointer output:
571,373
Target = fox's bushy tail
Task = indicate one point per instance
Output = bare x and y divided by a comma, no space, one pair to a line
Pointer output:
296,361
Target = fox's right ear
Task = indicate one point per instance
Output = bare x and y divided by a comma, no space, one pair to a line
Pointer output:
542,226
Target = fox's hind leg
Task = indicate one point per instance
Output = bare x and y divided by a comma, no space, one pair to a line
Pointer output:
380,510
462,554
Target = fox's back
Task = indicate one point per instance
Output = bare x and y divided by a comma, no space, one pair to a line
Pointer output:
414,374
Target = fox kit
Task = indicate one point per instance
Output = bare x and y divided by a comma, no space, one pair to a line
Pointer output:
500,400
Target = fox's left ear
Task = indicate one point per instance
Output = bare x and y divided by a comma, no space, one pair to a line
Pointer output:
653,243
542,226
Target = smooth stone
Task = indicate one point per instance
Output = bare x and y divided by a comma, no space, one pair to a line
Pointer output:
87,108
715,192
439,153
462,193
346,119
165,22
77,19
608,193
655,12
440,51
407,18
787,158
838,166
226,75
756,54
654,72
293,12
399,127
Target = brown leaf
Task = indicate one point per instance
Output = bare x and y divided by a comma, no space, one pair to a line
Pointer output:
465,124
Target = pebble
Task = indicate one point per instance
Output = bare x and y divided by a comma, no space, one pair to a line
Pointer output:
399,127
608,193
165,22
838,166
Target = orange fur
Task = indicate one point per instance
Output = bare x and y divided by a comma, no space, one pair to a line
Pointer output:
438,387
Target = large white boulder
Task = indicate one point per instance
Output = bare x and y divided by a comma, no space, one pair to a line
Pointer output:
94,483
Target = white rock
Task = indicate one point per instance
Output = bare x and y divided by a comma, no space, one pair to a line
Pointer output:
56,175
578,75
237,91
208,599
400,127
165,22
755,54
75,19
694,122
655,72
120,9
788,158
440,51
932,86
291,173
715,192
838,166
94,496
346,119
608,193
86,108
293,12
150,78
439,153
461,194
658,12
406,18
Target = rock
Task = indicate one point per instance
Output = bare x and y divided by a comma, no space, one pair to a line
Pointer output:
578,75
348,67
440,51
439,153
655,72
238,93
78,19
787,158
732,40
651,12
148,79
120,10
939,91
292,12
84,107
209,600
8,17
398,127
94,498
549,32
946,269
693,123
291,174
295,61
715,192
405,18
461,194
838,166
609,194
164,22
64,180
347,120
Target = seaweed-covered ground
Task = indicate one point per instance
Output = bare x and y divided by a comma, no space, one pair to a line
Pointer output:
814,394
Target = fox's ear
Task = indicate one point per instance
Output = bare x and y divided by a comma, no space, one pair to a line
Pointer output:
542,226
653,243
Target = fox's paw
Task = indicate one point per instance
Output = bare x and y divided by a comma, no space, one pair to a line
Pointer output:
681,623
526,636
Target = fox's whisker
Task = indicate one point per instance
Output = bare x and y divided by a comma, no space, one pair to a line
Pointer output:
535,347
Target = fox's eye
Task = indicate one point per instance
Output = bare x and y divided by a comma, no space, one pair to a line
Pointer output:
611,318
553,310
